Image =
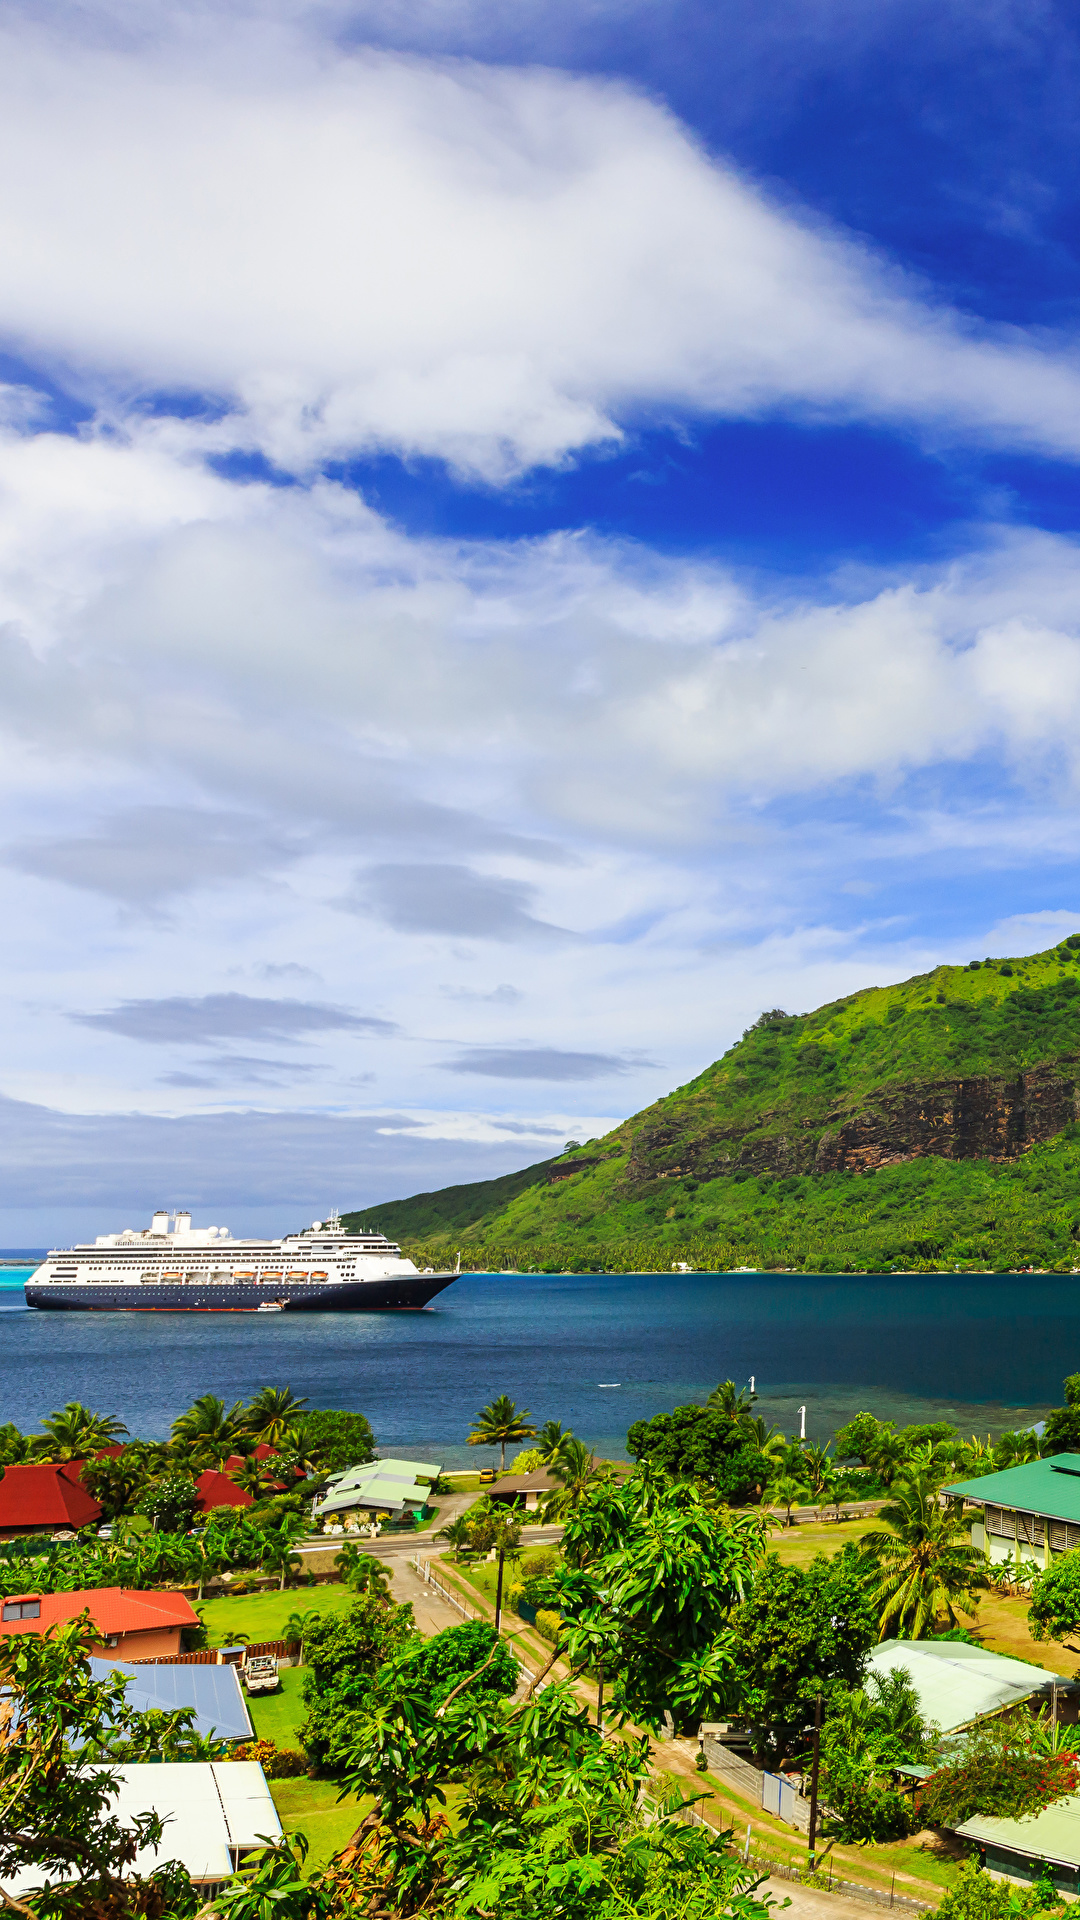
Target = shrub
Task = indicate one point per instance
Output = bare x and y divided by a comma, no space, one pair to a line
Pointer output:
548,1625
442,1663
278,1763
540,1564
977,1896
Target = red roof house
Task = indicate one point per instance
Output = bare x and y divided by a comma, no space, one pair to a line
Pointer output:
217,1490
38,1499
134,1626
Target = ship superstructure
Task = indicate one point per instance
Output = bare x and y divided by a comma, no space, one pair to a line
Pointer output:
173,1267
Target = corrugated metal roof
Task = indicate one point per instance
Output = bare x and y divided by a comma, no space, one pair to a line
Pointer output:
1052,1835
405,1470
1050,1487
210,1810
957,1684
214,1692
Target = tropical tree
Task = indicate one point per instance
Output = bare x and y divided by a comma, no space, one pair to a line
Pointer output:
59,1813
576,1469
362,1572
206,1428
251,1477
654,1569
298,1626
500,1425
273,1414
458,1534
734,1403
785,1491
550,1440
75,1433
769,1441
927,1566
279,1553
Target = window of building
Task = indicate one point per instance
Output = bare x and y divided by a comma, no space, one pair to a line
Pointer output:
22,1609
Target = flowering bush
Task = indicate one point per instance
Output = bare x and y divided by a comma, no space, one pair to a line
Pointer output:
999,1773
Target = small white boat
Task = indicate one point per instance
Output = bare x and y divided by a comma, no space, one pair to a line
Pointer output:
271,1306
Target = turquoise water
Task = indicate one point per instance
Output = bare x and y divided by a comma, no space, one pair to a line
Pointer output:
595,1351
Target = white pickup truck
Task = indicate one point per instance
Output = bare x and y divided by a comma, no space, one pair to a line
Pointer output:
260,1673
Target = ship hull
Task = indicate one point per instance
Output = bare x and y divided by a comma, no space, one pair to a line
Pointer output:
395,1294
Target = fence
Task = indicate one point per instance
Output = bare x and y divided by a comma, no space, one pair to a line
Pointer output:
772,1792
286,1650
423,1568
824,1878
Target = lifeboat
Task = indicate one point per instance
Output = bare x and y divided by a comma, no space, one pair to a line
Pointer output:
320,1276
172,1276
272,1276
242,1276
296,1274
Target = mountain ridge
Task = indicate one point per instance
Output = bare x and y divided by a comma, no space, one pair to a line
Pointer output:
946,1103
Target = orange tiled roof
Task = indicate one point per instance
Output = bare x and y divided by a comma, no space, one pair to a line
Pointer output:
112,1610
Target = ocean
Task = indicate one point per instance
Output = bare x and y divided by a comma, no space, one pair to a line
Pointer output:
986,1351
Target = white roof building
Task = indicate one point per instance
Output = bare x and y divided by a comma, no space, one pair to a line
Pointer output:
214,1812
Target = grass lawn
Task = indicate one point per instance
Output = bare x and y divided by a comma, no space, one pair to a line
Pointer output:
311,1807
278,1716
798,1545
262,1616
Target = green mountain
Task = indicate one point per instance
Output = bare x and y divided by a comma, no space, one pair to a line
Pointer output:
922,1126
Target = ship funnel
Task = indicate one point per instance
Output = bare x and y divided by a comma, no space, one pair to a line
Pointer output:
183,1223
160,1222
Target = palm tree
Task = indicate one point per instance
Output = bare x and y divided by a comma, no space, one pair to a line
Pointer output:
768,1440
459,1535
250,1477
298,1626
76,1432
733,1404
279,1553
272,1414
362,1572
785,1492
550,1441
577,1470
501,1424
926,1564
816,1465
205,1427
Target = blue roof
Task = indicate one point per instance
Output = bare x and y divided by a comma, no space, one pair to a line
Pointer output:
213,1691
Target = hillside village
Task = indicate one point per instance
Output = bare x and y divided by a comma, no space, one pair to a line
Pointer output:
861,1656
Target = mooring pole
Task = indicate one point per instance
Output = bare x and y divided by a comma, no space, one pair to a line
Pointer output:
811,1853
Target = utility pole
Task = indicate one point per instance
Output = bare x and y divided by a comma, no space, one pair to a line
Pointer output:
498,1590
600,1699
811,1850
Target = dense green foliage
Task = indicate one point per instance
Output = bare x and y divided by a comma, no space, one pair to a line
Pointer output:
650,1192
869,1731
703,1444
1054,1613
450,1210
799,1632
337,1441
977,1895
654,1570
927,1567
342,1655
441,1664
55,1793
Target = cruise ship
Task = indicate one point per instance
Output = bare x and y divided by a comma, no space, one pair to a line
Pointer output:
173,1267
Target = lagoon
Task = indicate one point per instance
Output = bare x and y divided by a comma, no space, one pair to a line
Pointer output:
987,1351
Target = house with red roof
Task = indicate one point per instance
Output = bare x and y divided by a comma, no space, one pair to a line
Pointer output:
130,1625
42,1498
215,1489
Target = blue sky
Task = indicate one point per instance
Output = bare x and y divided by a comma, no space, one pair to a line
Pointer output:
529,533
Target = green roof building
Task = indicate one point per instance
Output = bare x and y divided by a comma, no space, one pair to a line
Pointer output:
385,1487
1028,1513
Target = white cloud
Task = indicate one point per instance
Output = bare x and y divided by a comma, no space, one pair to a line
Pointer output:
495,266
